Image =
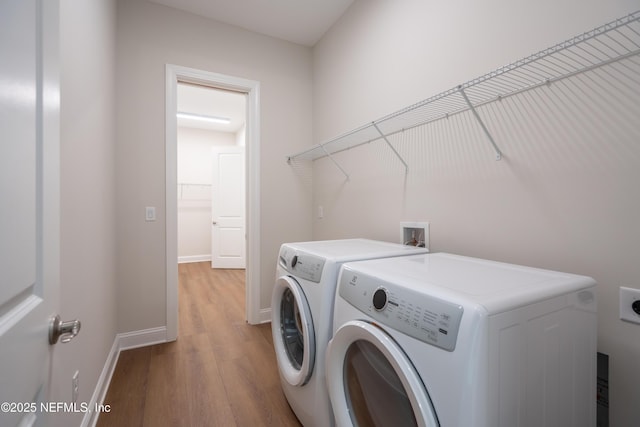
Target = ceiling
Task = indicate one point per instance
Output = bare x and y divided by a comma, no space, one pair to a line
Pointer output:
299,21
302,22
211,102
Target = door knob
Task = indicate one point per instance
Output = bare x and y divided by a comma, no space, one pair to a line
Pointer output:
214,223
65,331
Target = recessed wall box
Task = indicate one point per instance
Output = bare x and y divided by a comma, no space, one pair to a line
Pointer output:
415,234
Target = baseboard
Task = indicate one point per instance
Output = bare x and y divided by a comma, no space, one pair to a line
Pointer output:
143,338
264,315
124,341
91,418
193,258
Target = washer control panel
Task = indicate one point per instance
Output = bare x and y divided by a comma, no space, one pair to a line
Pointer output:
302,265
417,314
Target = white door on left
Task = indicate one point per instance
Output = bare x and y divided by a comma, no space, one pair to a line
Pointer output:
29,205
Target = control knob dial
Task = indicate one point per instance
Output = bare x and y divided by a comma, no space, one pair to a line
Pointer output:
380,299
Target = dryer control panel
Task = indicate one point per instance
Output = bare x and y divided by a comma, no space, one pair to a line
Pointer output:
302,265
417,314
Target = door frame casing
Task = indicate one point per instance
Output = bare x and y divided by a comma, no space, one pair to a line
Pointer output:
175,73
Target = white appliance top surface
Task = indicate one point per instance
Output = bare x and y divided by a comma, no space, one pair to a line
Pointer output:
494,285
354,249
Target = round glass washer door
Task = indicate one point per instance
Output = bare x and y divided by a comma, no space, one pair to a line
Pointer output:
372,382
292,330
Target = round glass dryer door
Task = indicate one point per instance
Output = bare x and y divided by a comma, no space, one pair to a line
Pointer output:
372,382
292,330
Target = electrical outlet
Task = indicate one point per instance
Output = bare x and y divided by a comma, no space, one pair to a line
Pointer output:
630,304
75,386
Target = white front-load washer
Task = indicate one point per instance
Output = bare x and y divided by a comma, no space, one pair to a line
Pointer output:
302,315
446,340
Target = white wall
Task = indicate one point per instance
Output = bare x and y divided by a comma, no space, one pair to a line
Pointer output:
564,197
88,278
195,166
148,37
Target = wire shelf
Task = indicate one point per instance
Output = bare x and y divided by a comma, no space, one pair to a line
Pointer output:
603,45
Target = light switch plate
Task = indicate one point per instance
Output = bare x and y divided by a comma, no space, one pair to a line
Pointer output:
627,298
150,213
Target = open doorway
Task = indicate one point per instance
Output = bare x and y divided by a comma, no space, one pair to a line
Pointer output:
211,136
174,75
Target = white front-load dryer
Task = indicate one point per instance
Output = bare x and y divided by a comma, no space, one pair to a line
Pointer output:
302,316
445,340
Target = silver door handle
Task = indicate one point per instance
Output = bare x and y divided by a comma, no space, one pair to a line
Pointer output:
214,223
65,331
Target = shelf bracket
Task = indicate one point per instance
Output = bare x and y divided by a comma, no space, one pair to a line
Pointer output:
334,162
406,167
484,128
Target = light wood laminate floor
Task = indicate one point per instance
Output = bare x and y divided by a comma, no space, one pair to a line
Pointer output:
220,372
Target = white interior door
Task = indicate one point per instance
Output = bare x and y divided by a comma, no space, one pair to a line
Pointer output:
29,205
228,238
